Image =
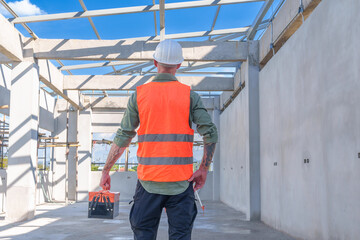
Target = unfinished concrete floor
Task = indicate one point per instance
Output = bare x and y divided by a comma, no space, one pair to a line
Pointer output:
57,222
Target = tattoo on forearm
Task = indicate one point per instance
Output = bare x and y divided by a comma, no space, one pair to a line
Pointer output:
209,149
114,154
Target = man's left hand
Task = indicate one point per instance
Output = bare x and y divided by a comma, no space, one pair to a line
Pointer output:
199,177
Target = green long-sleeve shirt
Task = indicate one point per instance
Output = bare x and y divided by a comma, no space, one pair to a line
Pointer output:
198,115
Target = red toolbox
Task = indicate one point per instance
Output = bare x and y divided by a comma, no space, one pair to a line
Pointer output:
103,204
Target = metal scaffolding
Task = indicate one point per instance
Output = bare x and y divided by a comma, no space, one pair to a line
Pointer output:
4,142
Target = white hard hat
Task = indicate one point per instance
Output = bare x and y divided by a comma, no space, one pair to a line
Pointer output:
168,52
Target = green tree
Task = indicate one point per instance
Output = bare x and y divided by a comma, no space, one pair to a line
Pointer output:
94,167
4,162
134,168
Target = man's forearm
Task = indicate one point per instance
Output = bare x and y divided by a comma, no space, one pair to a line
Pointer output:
114,154
209,149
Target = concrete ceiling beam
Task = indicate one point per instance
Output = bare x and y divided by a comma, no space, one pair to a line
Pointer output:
113,82
118,63
242,30
96,65
10,42
73,49
53,79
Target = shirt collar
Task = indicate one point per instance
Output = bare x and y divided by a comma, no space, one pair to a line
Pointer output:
164,77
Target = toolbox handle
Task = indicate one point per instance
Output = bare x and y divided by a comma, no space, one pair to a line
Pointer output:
106,203
92,202
107,197
96,202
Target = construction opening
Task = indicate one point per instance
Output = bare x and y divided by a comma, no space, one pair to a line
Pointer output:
279,80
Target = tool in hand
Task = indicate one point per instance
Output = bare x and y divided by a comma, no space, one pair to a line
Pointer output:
198,197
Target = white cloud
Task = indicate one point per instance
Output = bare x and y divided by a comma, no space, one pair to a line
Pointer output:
22,8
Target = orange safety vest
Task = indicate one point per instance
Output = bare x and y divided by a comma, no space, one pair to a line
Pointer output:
165,138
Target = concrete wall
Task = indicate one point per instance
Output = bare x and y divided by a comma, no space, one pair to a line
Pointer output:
234,154
46,111
106,120
47,102
239,141
59,157
85,154
216,157
309,109
125,183
43,187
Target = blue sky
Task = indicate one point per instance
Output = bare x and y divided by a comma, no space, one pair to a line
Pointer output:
130,25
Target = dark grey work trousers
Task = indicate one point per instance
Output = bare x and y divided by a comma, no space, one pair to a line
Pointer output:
147,208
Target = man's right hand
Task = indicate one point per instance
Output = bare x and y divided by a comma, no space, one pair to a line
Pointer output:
114,154
105,181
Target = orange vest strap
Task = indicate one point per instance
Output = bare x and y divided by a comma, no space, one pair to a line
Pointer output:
165,138
165,160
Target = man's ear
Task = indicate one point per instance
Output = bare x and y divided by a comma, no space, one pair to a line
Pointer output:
155,63
178,66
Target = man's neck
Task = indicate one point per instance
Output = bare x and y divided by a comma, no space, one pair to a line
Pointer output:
169,72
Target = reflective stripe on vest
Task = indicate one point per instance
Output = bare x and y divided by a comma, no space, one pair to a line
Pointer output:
165,160
165,137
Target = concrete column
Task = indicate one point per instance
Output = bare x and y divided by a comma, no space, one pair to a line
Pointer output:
72,137
72,158
251,71
84,153
59,169
2,189
59,153
24,114
216,159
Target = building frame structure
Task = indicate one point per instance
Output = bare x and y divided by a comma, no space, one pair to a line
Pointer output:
84,104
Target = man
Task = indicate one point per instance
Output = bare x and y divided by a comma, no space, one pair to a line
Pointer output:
165,110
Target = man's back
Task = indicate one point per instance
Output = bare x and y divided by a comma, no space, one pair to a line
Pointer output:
165,137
